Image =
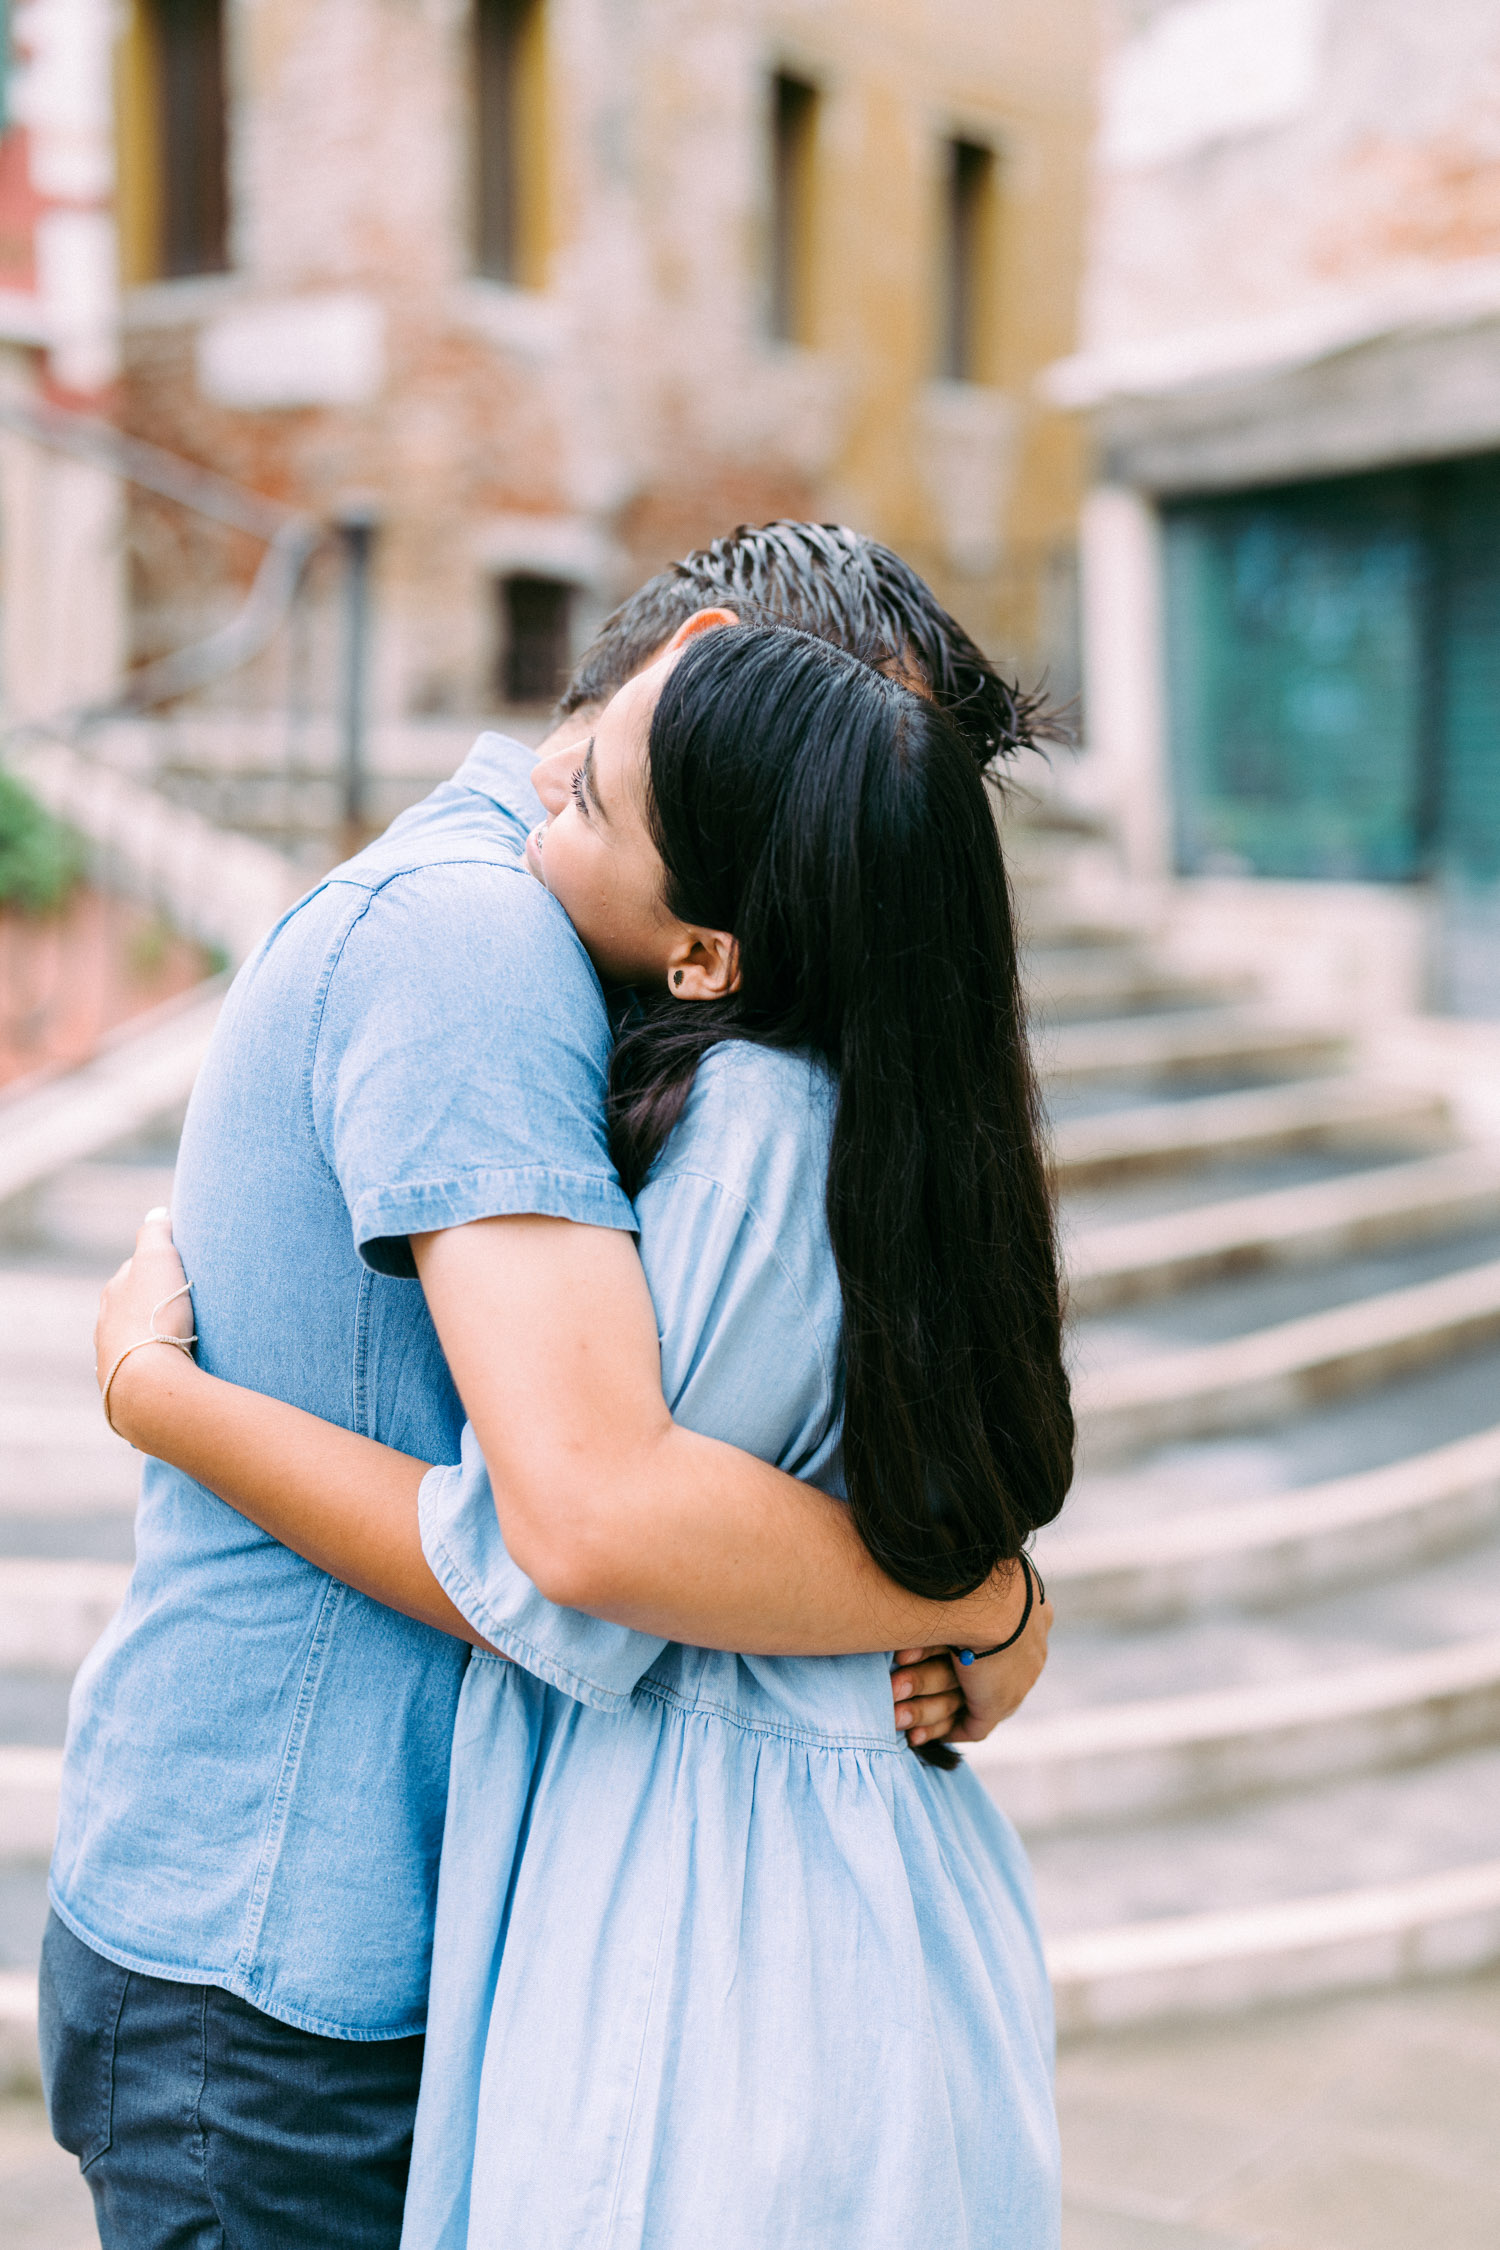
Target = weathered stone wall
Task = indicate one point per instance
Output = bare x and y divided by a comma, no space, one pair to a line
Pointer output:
1374,150
633,406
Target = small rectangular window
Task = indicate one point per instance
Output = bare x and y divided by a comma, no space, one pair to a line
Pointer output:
794,126
510,142
969,251
536,638
173,141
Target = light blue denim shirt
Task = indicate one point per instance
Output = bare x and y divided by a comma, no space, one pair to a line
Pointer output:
257,1759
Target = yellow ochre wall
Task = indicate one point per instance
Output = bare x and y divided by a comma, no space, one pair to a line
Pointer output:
901,78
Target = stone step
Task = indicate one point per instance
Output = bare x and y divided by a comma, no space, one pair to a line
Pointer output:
1058,920
142,1073
59,1457
1198,1043
1126,1761
1348,1112
53,1611
1272,1372
1389,1824
1128,1261
47,1329
86,1215
1105,980
1214,1963
1282,1548
30,1777
223,889
20,2064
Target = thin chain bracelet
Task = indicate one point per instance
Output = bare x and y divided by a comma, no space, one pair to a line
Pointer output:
178,1343
1034,1588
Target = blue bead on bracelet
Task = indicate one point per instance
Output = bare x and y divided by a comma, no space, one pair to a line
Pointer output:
1034,1589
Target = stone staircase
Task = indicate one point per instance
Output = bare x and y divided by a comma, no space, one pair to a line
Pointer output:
1265,1757
67,1487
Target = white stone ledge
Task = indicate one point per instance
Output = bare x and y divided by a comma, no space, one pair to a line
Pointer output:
1117,977
1251,1380
1199,1964
1429,299
29,1783
1124,1263
52,1612
1170,1753
20,2066
143,1072
1165,1136
1206,1039
1281,1548
221,888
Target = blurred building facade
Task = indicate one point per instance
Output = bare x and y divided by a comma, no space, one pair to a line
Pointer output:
1290,367
554,289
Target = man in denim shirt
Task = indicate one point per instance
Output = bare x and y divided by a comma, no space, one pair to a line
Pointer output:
235,1974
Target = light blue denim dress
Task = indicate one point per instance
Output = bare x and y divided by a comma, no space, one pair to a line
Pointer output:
719,1964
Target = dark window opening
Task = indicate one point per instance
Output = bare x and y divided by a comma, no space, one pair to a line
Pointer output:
187,37
794,123
968,249
536,638
509,140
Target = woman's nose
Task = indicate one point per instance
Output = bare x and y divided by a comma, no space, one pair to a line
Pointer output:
552,780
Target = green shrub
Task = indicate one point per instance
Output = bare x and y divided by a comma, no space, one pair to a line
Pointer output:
40,859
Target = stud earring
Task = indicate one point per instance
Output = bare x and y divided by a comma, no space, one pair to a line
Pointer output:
677,976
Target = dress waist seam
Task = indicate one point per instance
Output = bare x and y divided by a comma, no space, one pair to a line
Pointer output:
813,1738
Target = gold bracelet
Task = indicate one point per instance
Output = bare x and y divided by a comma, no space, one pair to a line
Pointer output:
178,1343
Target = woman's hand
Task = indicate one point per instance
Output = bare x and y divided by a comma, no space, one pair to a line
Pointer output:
133,1304
996,1686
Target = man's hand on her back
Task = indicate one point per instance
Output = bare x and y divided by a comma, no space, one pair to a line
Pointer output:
929,1700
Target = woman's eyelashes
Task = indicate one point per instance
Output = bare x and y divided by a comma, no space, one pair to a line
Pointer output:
576,785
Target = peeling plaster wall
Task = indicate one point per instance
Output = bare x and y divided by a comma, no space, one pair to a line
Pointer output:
633,407
1390,159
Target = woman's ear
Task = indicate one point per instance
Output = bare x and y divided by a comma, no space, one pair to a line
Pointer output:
705,965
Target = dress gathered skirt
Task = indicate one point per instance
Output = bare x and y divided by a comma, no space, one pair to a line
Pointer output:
730,1967
719,1964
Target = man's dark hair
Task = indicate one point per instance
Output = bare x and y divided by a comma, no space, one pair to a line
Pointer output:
839,586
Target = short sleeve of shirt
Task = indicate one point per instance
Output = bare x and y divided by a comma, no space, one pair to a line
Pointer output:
501,768
588,1658
460,1061
735,1249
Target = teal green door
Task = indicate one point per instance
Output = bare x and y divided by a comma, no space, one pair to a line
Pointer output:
1467,638
1333,659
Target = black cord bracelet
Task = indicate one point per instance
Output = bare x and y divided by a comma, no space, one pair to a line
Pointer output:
1034,1589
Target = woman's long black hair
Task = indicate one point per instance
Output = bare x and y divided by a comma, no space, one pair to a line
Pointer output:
837,824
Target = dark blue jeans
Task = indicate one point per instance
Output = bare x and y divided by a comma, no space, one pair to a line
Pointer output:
201,2124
